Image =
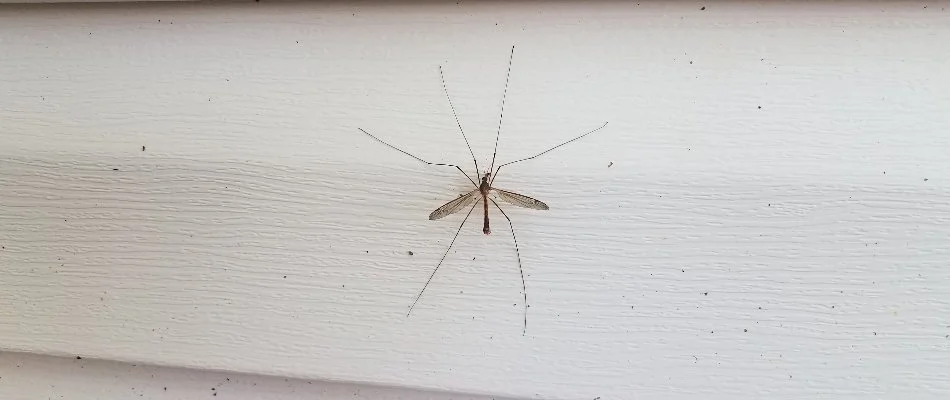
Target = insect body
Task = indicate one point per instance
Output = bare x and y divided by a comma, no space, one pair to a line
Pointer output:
483,193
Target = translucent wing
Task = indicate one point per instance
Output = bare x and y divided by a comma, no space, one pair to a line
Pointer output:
520,200
454,206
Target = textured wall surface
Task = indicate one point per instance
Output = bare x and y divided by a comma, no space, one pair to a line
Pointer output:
766,214
29,377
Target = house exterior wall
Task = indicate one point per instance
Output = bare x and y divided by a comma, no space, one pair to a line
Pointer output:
764,215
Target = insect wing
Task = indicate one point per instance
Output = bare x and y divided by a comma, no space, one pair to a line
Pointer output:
454,206
520,200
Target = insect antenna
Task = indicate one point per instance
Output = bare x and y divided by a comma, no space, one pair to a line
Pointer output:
524,289
543,152
442,260
502,114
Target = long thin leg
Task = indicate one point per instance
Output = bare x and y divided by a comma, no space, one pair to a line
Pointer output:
543,152
524,289
502,114
452,106
440,261
417,158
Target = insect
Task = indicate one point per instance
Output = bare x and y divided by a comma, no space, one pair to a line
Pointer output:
484,190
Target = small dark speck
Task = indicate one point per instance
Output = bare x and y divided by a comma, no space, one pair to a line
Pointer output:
78,358
597,398
706,294
884,172
143,148
367,251
159,20
745,330
610,165
875,333
165,388
760,107
213,389
411,253
285,276
344,285
703,8
925,179
115,169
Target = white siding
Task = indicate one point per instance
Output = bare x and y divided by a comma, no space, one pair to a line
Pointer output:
30,377
766,214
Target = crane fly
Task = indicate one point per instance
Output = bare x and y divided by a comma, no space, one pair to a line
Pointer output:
484,192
